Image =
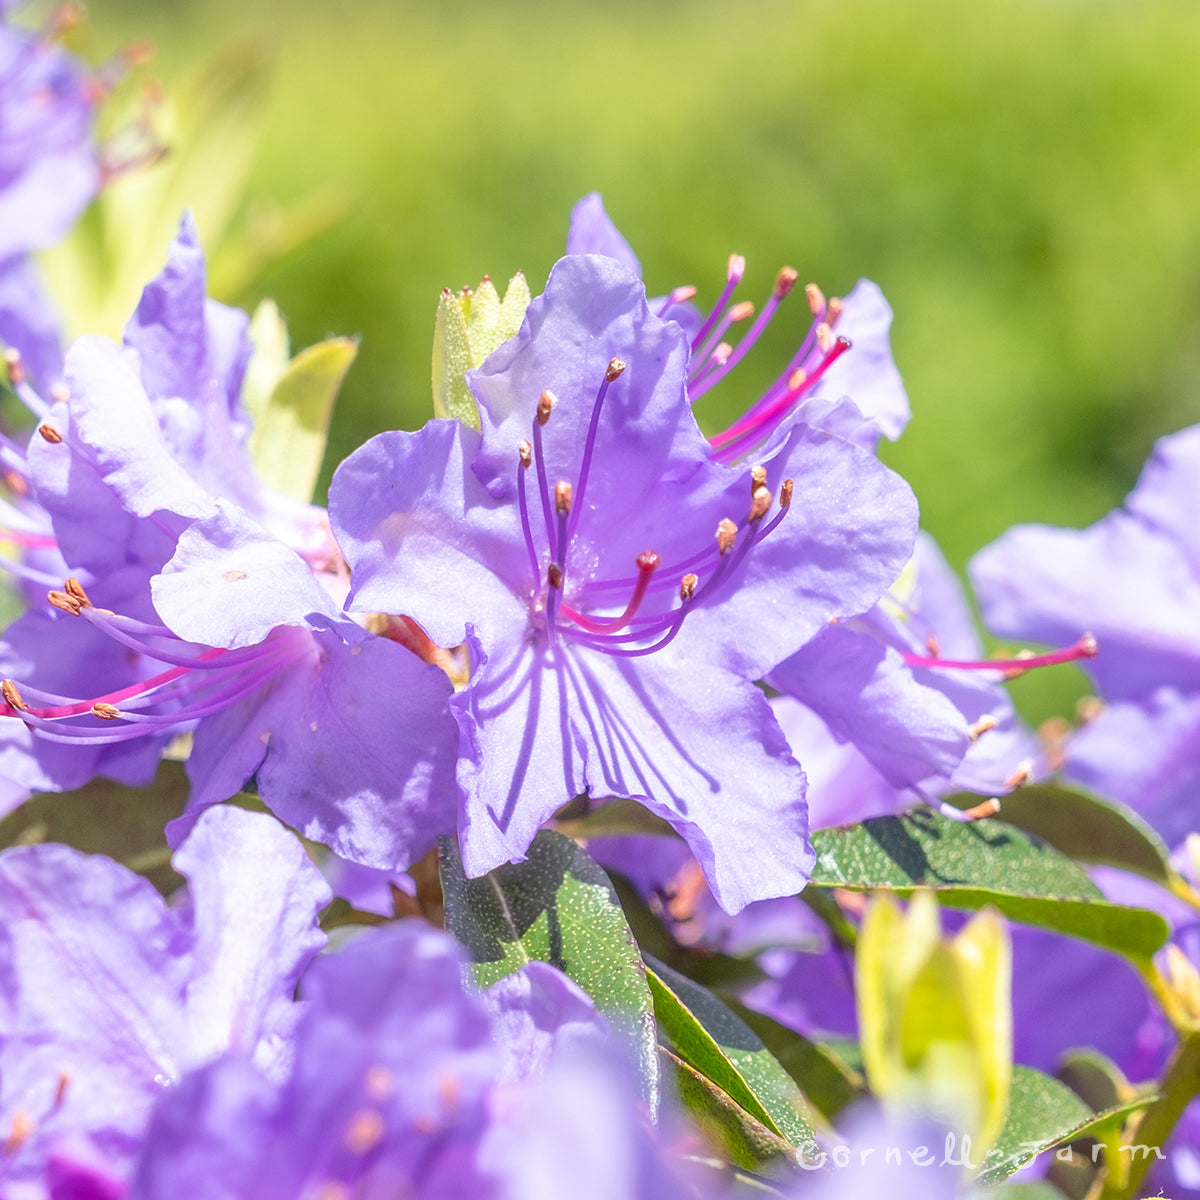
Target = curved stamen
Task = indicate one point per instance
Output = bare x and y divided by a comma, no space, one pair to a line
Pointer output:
733,276
784,282
647,563
1086,647
613,372
760,420
525,450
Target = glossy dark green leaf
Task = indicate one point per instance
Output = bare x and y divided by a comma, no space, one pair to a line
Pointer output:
715,1041
1084,827
744,1141
559,907
982,862
1043,1114
617,818
827,1082
103,817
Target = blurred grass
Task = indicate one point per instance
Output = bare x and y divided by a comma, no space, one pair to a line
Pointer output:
1020,176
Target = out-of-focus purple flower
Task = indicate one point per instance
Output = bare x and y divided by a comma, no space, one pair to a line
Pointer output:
846,383
108,997
201,600
402,1084
49,170
613,639
48,162
1133,579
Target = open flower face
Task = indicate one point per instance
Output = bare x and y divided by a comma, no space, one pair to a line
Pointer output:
619,592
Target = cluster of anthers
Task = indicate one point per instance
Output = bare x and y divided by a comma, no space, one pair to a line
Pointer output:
633,632
713,358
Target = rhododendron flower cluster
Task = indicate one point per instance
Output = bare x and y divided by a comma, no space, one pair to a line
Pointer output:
372,951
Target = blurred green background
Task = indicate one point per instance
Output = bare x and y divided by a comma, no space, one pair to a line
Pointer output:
1020,176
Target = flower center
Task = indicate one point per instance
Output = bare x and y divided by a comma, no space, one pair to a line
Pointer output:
650,618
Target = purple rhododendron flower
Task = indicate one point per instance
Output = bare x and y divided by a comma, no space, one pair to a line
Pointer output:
108,997
613,639
49,170
48,162
404,1083
204,601
1133,579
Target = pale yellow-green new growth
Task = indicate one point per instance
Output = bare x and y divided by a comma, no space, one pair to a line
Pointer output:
291,402
469,326
936,1017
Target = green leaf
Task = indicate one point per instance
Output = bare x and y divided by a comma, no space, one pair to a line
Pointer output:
108,818
1084,827
724,1049
1042,1114
617,818
982,862
746,1143
826,1081
288,442
559,907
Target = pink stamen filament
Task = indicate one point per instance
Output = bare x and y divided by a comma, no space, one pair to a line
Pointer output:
1084,648
645,573
757,425
31,541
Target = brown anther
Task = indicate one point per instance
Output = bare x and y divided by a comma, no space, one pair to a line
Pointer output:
68,604
721,354
60,1089
364,1132
106,712
988,808
726,532
797,379
75,589
1088,709
648,560
785,494
681,295
687,586
18,1132
834,310
785,281
933,645
758,478
816,300
50,434
737,266
59,393
615,370
1088,646
12,697
554,575
985,723
825,337
759,505
1021,775
546,401
15,367
525,450
562,498
742,311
